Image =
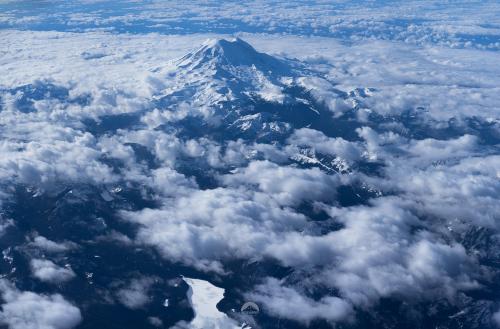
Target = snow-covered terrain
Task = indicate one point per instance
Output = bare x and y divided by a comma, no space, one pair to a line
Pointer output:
204,297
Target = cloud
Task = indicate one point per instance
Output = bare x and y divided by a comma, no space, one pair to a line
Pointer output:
51,246
41,163
287,185
430,179
378,255
325,93
453,179
435,263
28,310
412,22
135,294
207,226
45,270
288,303
496,318
320,142
4,223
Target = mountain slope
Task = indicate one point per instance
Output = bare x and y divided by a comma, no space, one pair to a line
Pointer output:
228,84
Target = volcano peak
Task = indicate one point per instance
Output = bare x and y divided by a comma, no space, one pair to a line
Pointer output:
221,53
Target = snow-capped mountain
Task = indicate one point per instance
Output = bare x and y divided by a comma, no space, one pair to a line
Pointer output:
227,70
226,83
227,54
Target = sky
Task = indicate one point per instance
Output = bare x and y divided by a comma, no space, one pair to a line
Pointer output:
418,80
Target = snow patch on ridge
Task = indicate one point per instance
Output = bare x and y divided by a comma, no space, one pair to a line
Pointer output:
203,297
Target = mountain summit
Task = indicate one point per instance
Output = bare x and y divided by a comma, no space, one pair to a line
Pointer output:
226,53
224,70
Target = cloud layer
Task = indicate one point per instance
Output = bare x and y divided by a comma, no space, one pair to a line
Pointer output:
380,199
25,309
